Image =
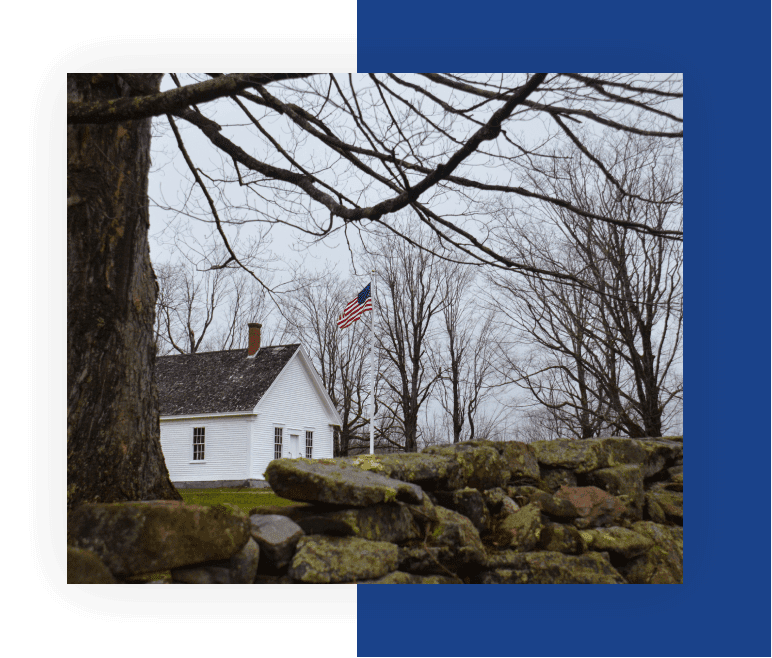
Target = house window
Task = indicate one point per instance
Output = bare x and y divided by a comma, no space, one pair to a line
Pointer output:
309,444
277,438
198,444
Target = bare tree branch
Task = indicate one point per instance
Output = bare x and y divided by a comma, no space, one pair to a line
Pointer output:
168,102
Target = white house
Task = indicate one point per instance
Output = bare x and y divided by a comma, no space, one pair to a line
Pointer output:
226,415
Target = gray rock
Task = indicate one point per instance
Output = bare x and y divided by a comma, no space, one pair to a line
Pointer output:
561,538
620,541
85,567
624,481
481,466
277,537
320,559
520,531
554,478
663,564
240,569
141,537
202,575
470,503
664,506
337,483
428,471
547,567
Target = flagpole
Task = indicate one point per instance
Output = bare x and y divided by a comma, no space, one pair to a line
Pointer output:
372,368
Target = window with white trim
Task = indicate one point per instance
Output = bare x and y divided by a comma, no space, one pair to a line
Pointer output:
309,444
278,434
198,443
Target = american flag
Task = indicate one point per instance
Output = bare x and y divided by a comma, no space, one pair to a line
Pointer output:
361,303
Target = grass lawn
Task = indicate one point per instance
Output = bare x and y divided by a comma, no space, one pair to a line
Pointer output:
246,499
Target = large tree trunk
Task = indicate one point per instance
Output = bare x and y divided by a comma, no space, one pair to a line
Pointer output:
113,446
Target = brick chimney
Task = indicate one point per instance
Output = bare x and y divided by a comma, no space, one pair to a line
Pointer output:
254,338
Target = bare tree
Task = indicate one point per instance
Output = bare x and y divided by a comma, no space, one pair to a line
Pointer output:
548,343
409,299
464,360
381,144
188,301
201,308
538,422
603,355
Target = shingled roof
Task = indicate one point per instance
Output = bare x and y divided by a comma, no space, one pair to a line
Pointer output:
217,382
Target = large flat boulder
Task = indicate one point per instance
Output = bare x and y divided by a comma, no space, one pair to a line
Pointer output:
659,454
653,454
428,471
140,537
520,458
588,454
336,483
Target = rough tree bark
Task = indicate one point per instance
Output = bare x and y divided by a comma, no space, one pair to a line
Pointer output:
113,446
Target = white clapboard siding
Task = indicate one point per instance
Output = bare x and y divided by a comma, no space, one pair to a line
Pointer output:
240,446
293,404
226,448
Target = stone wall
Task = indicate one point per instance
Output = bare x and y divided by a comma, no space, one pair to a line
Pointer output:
593,511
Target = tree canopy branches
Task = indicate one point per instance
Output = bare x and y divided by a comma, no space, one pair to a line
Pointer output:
320,153
148,105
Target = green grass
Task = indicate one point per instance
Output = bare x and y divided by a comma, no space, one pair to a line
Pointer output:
245,499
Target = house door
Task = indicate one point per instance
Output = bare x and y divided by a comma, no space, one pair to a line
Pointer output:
294,445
